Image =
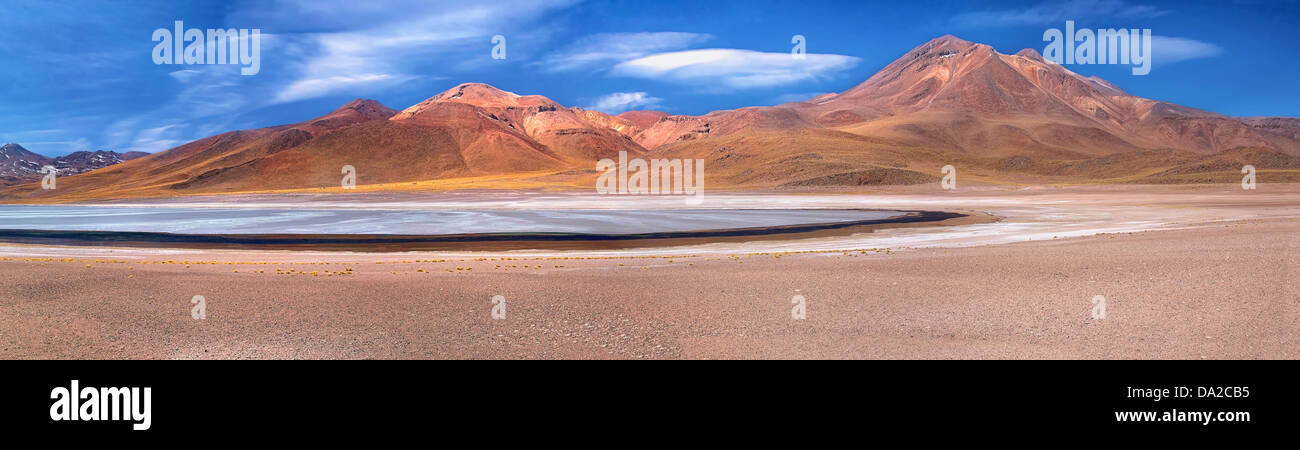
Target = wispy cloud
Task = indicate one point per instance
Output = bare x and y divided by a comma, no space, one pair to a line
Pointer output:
1168,50
666,56
1055,12
184,75
795,97
49,148
320,49
315,87
624,101
725,68
396,41
1165,49
606,49
156,139
34,133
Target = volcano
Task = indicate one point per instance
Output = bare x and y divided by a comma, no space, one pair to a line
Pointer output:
999,118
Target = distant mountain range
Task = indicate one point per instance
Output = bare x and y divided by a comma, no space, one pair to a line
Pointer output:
19,165
1007,119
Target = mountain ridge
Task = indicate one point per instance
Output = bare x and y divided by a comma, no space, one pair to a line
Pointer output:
19,165
1001,118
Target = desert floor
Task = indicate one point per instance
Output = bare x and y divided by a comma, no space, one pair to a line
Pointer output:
1186,272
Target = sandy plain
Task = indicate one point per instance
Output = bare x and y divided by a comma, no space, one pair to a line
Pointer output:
1187,272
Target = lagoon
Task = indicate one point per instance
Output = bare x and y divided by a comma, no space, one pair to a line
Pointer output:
308,220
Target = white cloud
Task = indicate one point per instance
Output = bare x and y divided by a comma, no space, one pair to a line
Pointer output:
602,50
619,102
1057,12
155,139
734,68
49,148
81,143
327,48
1167,50
315,87
394,43
34,133
796,97
183,75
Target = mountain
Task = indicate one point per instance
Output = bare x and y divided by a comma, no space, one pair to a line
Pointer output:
1059,109
244,157
18,165
999,118
470,130
86,161
503,132
1005,118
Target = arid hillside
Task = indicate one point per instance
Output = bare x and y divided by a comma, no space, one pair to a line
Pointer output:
998,118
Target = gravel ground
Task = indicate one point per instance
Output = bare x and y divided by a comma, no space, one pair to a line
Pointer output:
1226,290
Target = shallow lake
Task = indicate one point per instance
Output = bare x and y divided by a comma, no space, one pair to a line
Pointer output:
188,220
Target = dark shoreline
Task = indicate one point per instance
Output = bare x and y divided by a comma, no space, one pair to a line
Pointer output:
463,242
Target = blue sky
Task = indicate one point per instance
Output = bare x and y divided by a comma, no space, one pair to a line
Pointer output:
80,75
